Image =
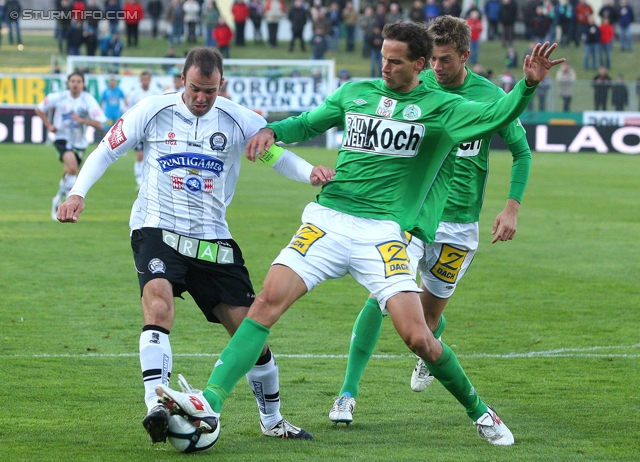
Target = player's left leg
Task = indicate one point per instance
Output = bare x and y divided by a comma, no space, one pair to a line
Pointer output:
263,380
70,162
408,319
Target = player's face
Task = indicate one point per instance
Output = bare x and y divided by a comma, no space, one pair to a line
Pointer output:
200,91
145,80
398,71
76,85
448,65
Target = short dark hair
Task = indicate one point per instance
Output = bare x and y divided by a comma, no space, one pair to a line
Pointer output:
79,74
415,35
447,30
206,59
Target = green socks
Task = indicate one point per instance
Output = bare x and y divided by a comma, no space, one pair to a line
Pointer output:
236,360
365,335
441,325
448,371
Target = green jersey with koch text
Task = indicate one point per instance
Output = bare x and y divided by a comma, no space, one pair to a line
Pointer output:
398,149
471,170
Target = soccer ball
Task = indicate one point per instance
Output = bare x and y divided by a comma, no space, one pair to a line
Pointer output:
186,438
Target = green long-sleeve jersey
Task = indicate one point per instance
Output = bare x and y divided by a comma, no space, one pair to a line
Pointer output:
471,170
398,149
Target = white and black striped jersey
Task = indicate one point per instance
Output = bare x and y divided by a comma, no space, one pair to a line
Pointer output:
64,106
191,163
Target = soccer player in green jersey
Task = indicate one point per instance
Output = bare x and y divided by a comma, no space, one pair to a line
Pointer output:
392,175
443,262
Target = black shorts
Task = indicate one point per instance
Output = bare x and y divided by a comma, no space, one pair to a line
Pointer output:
63,146
212,272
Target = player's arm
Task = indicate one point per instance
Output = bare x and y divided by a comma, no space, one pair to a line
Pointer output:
505,224
91,122
298,128
296,168
467,120
44,106
47,123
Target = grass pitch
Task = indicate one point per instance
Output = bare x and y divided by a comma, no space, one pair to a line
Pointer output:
546,326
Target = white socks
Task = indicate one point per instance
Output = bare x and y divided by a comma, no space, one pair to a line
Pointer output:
263,380
155,362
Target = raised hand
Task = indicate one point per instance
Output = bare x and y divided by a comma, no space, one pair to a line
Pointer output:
536,66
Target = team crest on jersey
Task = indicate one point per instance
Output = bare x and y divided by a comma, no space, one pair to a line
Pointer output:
382,136
394,256
449,263
193,184
157,266
411,112
116,135
386,106
218,141
304,238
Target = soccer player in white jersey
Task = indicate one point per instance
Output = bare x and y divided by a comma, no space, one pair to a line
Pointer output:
145,89
73,110
193,142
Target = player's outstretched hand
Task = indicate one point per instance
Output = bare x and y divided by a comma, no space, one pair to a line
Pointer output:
536,66
321,175
70,210
260,142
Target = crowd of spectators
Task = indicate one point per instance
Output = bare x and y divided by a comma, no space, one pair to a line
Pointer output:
95,27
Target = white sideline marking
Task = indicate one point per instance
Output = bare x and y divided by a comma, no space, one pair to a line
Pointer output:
558,353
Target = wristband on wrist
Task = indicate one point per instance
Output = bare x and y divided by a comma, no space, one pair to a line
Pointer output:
271,155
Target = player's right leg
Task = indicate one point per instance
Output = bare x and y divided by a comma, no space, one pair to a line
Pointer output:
161,276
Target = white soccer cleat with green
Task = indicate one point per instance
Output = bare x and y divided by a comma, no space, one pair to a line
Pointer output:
491,428
190,404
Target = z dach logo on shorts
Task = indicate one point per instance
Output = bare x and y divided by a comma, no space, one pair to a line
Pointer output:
377,135
304,238
394,256
449,263
190,160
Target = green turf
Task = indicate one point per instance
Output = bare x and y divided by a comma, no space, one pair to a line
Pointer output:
546,326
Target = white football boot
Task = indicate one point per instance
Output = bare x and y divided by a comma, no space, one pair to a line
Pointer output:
421,378
491,428
342,410
190,404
